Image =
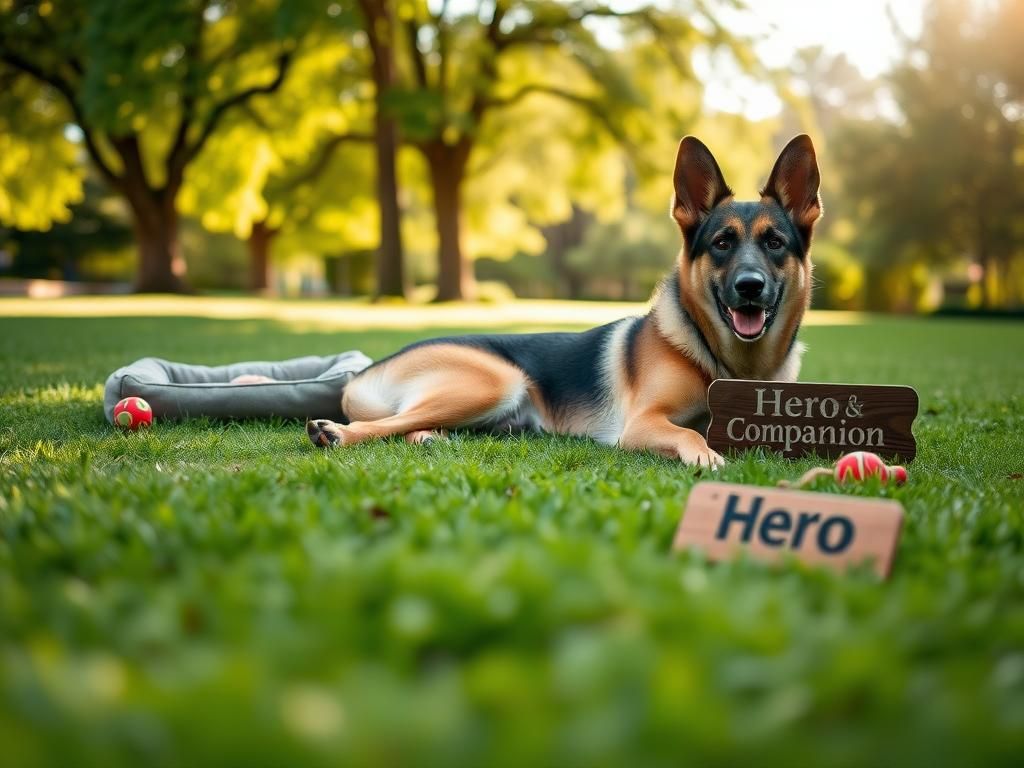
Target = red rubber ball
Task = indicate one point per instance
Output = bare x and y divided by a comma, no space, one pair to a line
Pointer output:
859,466
133,413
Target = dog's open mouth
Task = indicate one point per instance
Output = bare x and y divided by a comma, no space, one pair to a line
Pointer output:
749,321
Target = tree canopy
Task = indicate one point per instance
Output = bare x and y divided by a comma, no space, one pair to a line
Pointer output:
147,85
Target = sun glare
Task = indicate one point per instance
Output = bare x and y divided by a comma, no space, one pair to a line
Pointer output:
862,31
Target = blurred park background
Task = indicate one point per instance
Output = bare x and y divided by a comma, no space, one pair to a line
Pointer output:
454,149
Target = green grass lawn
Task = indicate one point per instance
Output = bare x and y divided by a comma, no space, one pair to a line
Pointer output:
225,594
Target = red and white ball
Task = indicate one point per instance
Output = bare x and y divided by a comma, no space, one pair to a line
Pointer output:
133,413
860,465
898,474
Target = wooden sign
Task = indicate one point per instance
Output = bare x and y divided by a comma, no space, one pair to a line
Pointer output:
797,419
723,519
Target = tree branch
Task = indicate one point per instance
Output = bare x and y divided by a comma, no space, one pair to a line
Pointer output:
592,106
72,61
134,182
649,18
177,155
375,11
284,61
419,64
64,88
441,24
254,114
320,162
542,32
551,90
488,63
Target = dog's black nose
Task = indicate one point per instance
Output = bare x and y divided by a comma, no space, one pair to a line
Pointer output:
749,285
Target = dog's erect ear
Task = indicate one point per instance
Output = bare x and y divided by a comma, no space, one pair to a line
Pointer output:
794,183
699,184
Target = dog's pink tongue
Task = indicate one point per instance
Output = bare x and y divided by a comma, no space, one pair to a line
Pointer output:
748,321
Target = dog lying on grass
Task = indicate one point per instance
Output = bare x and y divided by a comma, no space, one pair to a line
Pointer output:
731,308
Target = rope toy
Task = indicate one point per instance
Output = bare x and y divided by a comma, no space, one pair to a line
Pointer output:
853,467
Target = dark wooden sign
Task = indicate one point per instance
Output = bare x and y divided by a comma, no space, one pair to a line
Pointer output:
724,519
798,419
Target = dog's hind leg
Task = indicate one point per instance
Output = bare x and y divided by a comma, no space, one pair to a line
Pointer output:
433,387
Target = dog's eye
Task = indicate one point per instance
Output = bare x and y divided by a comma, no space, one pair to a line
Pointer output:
721,244
774,243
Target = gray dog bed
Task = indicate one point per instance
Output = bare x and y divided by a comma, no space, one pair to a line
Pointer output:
306,387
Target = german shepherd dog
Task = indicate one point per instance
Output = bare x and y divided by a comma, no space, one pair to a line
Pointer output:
731,308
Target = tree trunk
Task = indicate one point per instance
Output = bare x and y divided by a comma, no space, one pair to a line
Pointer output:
561,238
390,267
447,164
380,31
875,296
336,273
574,284
991,284
161,265
261,238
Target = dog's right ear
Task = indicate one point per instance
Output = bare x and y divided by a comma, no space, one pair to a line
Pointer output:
699,184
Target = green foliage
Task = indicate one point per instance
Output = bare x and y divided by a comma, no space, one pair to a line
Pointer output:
532,164
146,86
137,61
133,67
211,594
556,115
631,252
529,104
40,172
941,185
223,188
303,167
95,244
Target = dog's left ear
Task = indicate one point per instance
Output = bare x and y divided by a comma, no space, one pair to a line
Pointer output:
794,183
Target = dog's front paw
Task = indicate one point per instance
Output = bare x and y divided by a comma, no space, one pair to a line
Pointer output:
424,436
324,433
701,456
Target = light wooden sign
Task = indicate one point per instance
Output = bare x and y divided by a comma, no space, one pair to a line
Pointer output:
723,519
797,419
